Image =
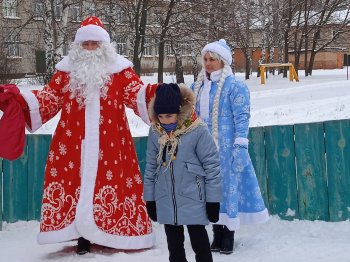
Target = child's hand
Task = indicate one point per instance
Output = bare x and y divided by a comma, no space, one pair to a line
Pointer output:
152,210
213,209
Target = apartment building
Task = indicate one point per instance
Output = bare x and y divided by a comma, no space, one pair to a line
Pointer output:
23,38
22,34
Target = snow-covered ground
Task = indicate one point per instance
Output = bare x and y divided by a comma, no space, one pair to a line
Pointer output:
274,241
324,96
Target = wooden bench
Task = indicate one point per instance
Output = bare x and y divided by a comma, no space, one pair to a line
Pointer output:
292,73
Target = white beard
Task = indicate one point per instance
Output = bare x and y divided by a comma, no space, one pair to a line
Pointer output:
89,71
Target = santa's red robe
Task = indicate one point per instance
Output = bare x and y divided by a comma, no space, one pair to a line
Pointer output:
93,187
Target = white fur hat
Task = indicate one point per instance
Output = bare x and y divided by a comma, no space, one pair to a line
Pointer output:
220,47
92,29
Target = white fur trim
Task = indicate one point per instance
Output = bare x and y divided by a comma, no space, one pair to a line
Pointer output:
35,117
243,219
119,64
241,141
216,75
90,147
231,223
63,65
65,234
141,105
91,33
216,47
204,99
254,218
85,223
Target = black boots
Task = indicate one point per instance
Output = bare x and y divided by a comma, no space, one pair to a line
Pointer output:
83,246
199,242
217,233
228,238
223,240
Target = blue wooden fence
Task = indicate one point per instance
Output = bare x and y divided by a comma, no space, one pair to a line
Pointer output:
303,171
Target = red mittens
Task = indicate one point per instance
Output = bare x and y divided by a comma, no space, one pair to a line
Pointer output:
12,124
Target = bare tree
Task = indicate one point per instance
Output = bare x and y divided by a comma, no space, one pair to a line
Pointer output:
333,12
53,25
52,36
304,22
137,16
270,30
180,23
179,29
135,27
244,21
301,17
275,35
183,36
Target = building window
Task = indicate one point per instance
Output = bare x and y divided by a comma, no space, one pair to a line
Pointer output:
120,17
335,34
155,48
317,35
76,14
121,45
10,8
168,50
106,15
12,43
38,9
65,48
58,9
104,19
89,9
148,47
186,49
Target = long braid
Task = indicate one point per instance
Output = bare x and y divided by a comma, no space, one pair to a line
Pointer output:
215,112
199,82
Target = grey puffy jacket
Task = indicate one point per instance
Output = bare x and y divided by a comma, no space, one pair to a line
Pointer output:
182,187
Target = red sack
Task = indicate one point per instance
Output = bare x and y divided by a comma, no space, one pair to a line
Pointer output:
12,124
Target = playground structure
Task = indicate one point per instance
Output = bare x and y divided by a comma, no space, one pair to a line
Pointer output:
292,73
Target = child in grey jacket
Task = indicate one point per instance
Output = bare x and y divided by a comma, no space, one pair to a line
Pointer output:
182,182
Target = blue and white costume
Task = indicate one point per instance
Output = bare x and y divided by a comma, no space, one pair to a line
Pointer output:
227,115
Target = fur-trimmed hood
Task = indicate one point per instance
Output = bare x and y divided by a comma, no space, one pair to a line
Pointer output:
187,106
